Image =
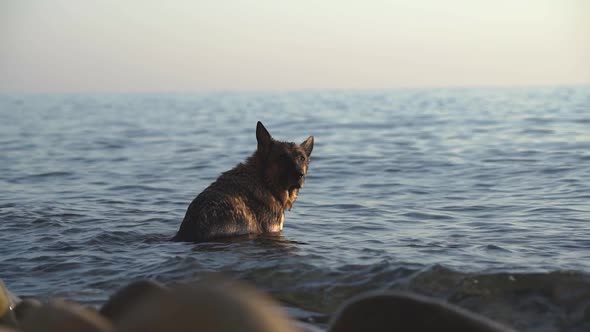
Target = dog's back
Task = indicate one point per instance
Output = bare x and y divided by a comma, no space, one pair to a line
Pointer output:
232,205
251,197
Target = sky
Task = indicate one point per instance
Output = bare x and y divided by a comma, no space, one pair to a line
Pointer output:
181,46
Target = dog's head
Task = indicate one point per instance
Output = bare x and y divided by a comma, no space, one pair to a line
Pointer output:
286,163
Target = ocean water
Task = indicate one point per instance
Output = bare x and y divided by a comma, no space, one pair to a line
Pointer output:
479,197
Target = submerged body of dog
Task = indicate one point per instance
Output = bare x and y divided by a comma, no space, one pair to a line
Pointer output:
252,197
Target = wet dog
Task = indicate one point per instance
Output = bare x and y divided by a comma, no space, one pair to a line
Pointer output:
252,197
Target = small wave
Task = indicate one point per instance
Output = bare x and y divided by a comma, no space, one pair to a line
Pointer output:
552,211
493,247
427,216
556,299
138,188
469,208
57,173
344,206
45,175
534,131
555,170
56,267
509,160
539,120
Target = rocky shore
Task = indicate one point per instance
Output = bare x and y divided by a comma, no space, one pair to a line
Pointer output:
223,306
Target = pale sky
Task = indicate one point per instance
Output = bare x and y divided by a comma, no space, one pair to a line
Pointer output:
167,46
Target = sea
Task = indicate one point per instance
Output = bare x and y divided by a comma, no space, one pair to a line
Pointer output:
479,197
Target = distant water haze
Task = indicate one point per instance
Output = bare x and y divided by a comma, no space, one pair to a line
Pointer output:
140,46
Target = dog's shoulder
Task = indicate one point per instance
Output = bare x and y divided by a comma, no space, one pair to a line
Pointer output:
241,183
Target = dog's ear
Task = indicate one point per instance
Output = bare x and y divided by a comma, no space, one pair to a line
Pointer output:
307,145
263,137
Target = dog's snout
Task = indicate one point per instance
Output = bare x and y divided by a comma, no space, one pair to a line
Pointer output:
299,173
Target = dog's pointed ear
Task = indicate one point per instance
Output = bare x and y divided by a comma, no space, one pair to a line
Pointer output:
307,145
263,137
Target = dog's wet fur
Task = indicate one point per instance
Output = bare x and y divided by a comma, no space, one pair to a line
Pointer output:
252,197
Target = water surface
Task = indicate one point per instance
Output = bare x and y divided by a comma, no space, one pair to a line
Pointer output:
475,196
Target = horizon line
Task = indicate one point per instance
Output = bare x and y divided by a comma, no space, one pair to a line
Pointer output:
294,90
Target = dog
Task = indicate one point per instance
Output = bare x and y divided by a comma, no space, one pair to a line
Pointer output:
252,197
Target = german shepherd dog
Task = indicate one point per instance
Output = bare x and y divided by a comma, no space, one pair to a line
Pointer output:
252,197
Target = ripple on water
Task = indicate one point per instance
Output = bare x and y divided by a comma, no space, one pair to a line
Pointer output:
473,196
